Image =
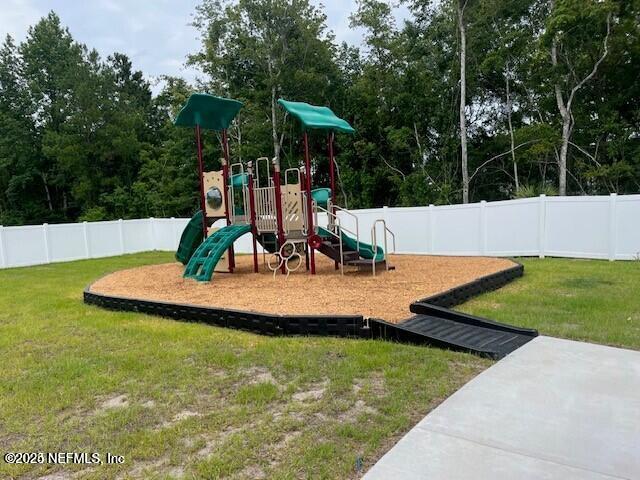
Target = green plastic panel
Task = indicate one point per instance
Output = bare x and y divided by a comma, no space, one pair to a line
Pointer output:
313,117
191,238
321,196
208,111
350,243
240,179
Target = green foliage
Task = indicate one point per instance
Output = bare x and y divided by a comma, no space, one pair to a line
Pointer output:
528,191
83,137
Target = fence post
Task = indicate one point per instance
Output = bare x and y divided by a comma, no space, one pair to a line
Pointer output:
152,233
121,233
483,227
613,238
85,233
542,225
3,252
45,236
174,235
430,248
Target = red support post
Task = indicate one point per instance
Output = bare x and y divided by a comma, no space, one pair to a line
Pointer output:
228,202
332,175
252,210
203,201
310,229
278,193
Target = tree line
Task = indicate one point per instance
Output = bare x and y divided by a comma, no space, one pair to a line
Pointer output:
465,100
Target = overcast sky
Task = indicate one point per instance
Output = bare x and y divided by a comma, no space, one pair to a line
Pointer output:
155,34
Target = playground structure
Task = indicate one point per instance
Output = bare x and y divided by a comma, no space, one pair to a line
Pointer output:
281,210
283,214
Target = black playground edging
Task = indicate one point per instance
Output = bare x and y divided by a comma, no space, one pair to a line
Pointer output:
354,326
262,323
462,293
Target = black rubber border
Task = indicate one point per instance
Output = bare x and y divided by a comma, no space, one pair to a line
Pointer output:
262,323
443,302
462,293
354,326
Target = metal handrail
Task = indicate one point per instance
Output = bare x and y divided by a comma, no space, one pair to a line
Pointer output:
317,208
374,245
286,176
354,216
338,235
243,191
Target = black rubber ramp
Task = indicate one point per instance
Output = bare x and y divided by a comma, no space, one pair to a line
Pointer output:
446,328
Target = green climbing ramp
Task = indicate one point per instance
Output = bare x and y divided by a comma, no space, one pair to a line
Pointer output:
190,239
203,262
350,243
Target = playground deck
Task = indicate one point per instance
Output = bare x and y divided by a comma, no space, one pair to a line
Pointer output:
387,296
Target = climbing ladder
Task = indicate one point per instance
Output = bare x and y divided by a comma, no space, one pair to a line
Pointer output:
203,262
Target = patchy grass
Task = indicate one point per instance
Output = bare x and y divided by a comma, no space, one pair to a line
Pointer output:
187,400
588,300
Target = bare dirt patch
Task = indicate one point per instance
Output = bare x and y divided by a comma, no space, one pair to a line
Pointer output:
316,392
255,375
386,296
119,401
212,443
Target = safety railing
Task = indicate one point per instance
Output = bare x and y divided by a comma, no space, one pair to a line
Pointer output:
290,211
265,205
243,191
338,208
258,181
295,171
337,234
374,244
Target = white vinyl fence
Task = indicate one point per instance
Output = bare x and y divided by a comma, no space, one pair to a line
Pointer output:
600,227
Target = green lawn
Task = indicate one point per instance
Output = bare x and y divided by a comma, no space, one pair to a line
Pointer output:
193,401
588,300
179,399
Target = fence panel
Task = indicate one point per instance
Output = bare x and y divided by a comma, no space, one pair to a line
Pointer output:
24,246
456,230
577,227
582,227
66,242
626,228
137,235
410,226
512,227
104,239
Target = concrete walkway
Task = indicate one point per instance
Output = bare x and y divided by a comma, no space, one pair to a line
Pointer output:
553,409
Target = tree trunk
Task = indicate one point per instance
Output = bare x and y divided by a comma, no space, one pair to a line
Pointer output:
562,160
274,125
565,107
566,126
513,151
47,191
463,102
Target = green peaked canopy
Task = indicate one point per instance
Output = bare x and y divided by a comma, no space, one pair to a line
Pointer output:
208,111
313,117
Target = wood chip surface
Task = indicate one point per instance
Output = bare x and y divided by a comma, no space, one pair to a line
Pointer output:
386,296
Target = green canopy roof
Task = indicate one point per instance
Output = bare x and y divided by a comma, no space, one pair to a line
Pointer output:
313,117
208,111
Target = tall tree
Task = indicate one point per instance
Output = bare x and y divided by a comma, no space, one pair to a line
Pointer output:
462,28
260,50
577,35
